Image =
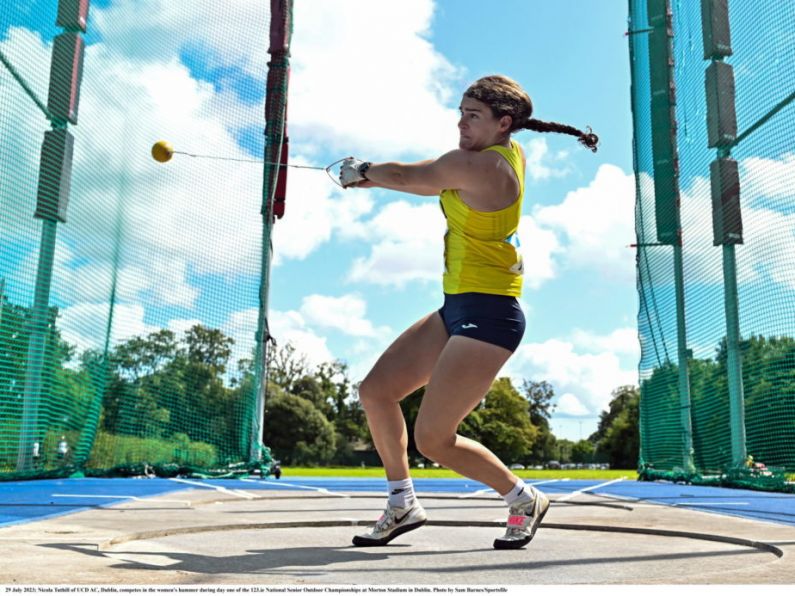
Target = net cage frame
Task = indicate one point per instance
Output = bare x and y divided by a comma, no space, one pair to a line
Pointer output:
35,441
703,416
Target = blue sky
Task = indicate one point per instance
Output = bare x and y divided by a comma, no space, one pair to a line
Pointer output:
380,80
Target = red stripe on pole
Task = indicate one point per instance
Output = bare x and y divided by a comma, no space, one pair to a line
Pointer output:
277,90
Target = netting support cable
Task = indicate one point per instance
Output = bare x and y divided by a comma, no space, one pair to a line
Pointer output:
27,88
725,149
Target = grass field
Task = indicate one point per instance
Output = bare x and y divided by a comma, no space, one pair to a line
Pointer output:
443,473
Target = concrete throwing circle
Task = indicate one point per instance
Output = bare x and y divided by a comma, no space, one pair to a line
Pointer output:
442,552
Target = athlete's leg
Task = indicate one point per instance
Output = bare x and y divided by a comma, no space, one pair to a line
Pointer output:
404,367
460,380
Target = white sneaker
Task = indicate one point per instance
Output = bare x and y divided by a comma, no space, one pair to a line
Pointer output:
394,522
523,520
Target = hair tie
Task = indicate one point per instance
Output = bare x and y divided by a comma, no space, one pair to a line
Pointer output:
589,139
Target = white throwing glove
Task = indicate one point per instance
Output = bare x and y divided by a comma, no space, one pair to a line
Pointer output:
352,171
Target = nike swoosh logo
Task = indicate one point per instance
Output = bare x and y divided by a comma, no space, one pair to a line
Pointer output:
469,326
399,520
397,491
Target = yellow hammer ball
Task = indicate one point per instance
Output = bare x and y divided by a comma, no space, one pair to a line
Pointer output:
162,151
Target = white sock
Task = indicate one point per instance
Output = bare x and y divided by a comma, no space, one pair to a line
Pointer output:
520,491
401,493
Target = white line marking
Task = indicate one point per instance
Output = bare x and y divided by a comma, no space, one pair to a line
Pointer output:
687,504
237,493
619,497
477,493
145,499
325,491
491,490
549,481
587,488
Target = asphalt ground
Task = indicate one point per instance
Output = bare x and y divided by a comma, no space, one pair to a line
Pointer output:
274,533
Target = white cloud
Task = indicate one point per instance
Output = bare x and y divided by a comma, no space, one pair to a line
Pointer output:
597,224
768,233
291,327
771,179
343,313
315,210
538,247
285,327
408,245
583,379
541,165
371,83
569,405
21,135
622,341
181,326
233,32
85,325
407,88
186,215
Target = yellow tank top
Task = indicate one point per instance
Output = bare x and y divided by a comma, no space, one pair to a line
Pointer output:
481,248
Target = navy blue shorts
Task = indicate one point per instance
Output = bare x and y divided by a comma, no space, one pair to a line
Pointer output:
497,320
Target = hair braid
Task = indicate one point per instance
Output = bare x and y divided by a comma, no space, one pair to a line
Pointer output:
587,138
506,97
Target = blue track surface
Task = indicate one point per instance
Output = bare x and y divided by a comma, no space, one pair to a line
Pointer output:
23,502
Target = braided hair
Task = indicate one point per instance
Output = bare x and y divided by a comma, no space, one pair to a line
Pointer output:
506,97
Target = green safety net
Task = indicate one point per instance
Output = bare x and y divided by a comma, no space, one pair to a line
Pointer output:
131,290
717,405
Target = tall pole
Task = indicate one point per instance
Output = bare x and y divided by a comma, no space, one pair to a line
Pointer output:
683,356
725,186
2,298
274,184
734,365
29,432
667,195
54,186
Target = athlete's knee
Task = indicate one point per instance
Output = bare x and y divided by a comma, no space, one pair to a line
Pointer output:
431,443
373,393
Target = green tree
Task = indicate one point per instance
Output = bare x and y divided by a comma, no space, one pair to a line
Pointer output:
296,431
539,397
617,435
143,356
563,450
582,452
285,366
504,422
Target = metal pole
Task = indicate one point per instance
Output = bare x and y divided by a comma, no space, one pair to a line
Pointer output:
2,296
734,357
275,116
683,357
725,186
53,193
36,347
667,195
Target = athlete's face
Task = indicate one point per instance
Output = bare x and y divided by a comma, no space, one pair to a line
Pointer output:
478,128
